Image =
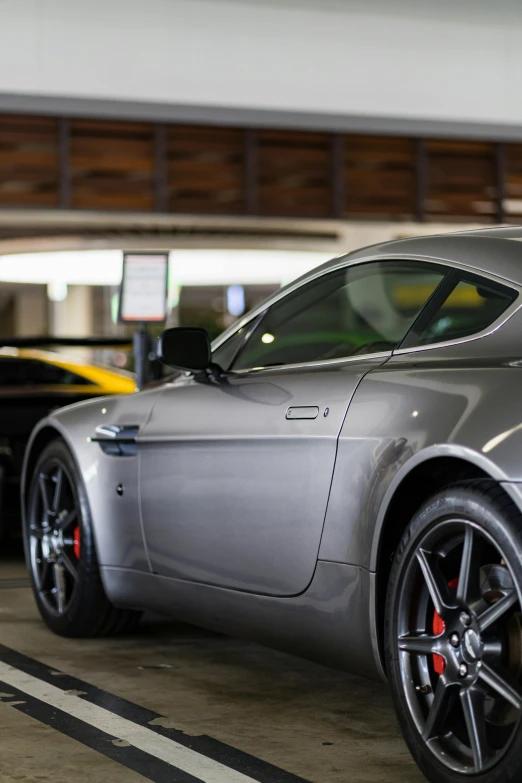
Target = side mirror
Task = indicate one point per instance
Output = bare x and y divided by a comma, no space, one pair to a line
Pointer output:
185,348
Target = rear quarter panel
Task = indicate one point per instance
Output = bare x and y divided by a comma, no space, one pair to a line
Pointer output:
415,408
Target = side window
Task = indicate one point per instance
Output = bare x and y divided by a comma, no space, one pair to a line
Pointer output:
53,374
359,309
469,305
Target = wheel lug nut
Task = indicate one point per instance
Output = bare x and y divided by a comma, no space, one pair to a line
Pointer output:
454,640
465,618
463,670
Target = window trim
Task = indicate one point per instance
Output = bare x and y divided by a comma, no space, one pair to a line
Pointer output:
433,303
260,311
319,363
250,326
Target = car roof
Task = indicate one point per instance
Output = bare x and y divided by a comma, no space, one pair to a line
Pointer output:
495,250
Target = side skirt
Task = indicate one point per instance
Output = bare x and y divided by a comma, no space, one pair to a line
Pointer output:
330,623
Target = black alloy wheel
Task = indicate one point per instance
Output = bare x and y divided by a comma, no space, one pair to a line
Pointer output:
61,552
454,636
54,536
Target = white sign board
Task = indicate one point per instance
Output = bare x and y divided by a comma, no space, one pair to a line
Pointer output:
143,293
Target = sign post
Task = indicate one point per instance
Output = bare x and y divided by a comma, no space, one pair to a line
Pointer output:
143,300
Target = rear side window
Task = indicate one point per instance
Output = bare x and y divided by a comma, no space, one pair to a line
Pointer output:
464,305
31,372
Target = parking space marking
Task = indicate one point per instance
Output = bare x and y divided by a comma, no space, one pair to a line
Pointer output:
111,747
201,767
122,730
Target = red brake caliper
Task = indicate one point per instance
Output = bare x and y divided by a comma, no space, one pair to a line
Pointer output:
76,542
439,664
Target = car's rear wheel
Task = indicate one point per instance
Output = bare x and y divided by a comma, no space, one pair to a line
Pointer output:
61,552
454,636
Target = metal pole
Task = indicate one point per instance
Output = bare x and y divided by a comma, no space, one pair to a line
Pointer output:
141,345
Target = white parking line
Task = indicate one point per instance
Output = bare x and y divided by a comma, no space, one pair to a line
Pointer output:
201,767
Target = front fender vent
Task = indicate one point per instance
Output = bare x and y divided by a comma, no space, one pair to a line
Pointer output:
118,440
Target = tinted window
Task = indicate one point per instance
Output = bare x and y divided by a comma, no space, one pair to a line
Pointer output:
31,372
468,306
356,310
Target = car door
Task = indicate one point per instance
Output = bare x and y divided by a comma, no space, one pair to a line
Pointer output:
235,471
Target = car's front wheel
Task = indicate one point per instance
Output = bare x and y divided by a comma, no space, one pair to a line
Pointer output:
454,636
61,552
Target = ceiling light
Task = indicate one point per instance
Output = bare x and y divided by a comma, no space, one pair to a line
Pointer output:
187,266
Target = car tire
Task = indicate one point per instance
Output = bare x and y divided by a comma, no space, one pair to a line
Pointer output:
61,552
453,636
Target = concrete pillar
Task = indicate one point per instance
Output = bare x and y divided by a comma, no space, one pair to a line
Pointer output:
73,317
30,312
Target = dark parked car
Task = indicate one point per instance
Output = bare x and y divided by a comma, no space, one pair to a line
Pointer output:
32,384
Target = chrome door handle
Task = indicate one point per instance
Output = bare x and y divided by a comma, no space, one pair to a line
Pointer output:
303,412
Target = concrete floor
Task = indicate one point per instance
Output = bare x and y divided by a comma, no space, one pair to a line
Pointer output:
320,725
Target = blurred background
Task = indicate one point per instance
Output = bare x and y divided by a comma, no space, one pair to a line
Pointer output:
250,139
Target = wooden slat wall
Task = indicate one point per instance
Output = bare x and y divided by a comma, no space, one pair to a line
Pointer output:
513,180
136,166
205,170
461,179
29,161
294,173
112,165
379,177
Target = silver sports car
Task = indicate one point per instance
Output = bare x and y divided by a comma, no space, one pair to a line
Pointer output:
339,475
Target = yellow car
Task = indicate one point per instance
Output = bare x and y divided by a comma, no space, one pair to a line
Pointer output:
32,383
27,369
